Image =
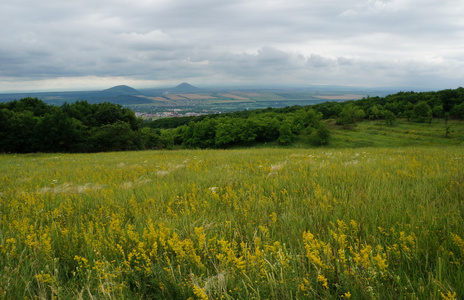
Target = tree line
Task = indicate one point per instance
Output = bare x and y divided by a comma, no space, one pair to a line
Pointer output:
31,125
223,131
413,106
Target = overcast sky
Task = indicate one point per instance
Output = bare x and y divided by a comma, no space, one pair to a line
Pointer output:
95,44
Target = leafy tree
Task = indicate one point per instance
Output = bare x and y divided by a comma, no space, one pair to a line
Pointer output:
389,117
247,131
373,112
167,139
267,128
6,137
200,134
407,112
320,136
328,109
24,138
109,113
286,135
106,113
116,137
422,112
350,114
458,111
438,111
227,133
82,111
449,98
58,132
34,105
151,138
301,120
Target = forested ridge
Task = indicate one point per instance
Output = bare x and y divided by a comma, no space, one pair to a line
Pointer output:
30,125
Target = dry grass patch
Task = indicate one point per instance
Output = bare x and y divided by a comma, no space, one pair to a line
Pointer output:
236,97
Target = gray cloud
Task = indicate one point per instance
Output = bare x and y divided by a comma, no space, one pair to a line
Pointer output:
368,42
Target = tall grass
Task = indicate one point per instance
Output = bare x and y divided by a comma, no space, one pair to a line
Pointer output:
238,224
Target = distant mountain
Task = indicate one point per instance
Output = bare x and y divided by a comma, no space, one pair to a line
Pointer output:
184,88
120,90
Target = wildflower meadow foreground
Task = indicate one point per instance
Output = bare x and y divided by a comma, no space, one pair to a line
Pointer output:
234,224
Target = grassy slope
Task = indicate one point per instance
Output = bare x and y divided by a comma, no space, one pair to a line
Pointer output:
236,224
401,134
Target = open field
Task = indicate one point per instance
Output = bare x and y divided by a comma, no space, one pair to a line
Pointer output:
402,134
382,223
235,97
174,97
341,97
162,99
235,100
198,96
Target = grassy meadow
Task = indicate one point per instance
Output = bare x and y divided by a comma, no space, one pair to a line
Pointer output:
401,134
367,223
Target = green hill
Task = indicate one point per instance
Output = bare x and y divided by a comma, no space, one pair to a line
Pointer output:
120,90
184,88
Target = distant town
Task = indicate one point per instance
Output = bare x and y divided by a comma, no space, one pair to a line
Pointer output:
172,113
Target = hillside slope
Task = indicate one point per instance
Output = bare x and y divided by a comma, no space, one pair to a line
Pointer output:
120,90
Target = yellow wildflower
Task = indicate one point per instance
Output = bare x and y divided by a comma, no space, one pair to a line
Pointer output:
449,296
44,278
200,293
323,280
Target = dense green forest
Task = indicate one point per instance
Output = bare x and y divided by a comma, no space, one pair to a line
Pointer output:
30,125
